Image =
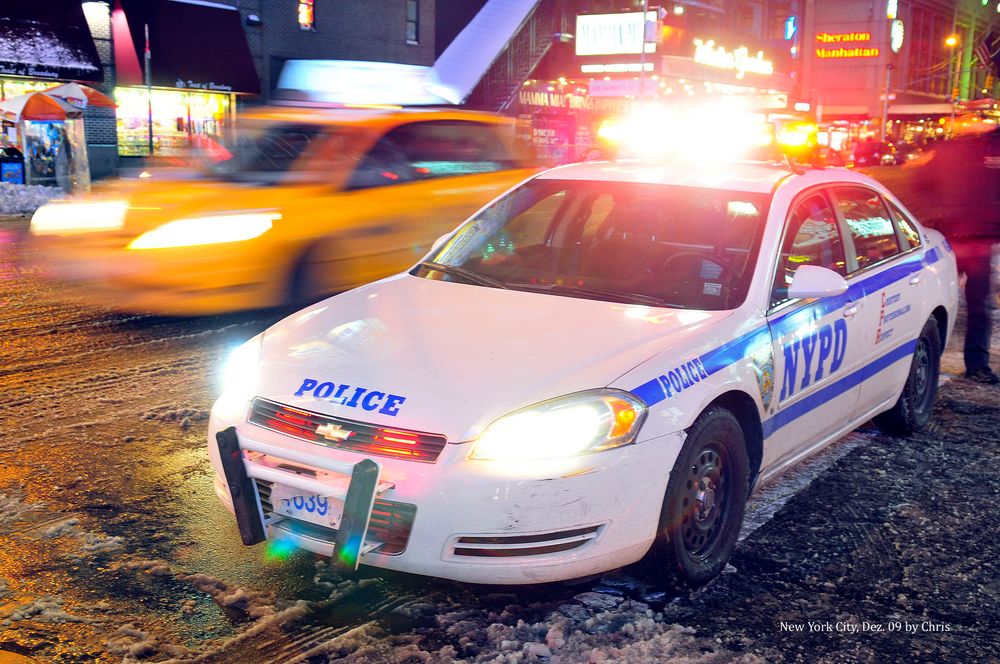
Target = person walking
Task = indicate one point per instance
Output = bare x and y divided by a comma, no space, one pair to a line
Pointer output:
961,180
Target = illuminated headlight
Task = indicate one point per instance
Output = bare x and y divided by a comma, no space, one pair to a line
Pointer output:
567,426
79,217
206,230
240,372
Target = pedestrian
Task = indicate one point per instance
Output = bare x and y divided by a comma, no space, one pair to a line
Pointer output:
961,177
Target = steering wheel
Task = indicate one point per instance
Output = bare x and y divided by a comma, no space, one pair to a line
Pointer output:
681,255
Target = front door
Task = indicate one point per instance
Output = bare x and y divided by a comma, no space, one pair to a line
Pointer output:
817,353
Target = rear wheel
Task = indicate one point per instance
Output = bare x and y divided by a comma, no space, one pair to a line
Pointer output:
705,500
916,403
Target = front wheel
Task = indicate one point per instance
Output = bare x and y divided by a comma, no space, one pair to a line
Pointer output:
913,409
705,500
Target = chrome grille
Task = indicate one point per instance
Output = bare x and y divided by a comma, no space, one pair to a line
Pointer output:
357,436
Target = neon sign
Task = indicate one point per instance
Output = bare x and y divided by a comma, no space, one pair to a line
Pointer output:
707,53
845,52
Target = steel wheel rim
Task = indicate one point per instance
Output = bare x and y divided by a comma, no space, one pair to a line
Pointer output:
705,500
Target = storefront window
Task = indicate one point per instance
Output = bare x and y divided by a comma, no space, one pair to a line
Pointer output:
182,121
14,87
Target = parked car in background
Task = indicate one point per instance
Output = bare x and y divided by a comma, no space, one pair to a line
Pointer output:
310,202
870,152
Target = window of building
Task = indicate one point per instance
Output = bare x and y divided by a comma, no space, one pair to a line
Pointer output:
307,15
412,21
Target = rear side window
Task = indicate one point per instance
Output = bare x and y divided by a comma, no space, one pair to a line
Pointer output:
425,150
869,223
445,148
813,238
908,230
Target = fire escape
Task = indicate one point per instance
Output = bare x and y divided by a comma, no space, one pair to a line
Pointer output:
530,40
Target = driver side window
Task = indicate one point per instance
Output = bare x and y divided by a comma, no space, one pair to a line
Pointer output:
812,238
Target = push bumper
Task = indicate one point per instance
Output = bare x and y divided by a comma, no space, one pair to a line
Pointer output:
240,468
482,522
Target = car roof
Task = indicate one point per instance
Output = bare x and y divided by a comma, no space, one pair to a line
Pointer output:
756,177
367,115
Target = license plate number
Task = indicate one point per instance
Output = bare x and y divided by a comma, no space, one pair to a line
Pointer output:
320,510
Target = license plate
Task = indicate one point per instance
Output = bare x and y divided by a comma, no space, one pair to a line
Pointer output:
292,502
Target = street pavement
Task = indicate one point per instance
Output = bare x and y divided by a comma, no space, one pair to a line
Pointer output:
113,546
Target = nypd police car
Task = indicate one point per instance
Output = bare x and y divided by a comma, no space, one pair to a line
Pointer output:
599,366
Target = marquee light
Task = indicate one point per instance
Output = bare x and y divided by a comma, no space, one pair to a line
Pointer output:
707,53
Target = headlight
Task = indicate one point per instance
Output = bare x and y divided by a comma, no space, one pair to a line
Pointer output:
240,372
206,230
78,217
563,427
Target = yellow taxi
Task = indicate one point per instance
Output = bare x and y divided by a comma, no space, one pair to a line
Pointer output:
308,202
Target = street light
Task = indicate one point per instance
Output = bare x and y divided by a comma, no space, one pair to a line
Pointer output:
951,41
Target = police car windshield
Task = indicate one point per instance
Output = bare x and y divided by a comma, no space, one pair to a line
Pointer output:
679,247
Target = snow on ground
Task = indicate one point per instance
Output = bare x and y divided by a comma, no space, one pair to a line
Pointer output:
23,198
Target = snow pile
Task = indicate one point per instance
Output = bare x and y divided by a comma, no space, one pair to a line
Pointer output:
38,44
23,198
12,509
46,609
134,644
228,596
183,416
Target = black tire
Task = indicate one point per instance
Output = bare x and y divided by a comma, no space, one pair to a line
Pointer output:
916,403
704,503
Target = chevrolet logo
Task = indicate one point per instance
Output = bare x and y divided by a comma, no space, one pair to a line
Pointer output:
331,431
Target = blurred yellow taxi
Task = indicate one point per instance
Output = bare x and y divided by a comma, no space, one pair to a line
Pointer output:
308,202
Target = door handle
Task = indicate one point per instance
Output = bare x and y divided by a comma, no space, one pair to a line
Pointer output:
850,310
914,280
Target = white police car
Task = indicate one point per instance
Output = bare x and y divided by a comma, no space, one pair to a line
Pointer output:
600,365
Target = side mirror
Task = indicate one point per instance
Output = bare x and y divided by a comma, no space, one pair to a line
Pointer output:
815,281
438,242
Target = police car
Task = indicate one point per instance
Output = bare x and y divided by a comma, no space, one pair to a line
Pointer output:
599,366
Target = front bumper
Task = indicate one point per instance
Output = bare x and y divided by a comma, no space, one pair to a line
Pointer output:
487,522
196,280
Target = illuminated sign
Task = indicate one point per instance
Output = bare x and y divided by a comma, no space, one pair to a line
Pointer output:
707,53
849,51
612,34
841,37
891,7
896,36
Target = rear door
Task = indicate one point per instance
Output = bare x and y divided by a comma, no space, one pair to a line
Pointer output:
816,341
888,266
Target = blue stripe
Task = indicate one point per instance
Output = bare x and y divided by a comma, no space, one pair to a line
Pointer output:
834,390
651,392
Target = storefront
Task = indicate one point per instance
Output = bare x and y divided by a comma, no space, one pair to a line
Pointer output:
43,43
605,72
198,63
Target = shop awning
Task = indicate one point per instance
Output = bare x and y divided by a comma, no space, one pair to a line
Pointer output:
940,108
47,39
195,45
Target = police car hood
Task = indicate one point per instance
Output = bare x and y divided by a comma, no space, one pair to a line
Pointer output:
448,358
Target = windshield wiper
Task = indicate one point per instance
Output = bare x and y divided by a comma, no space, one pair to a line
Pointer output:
461,272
